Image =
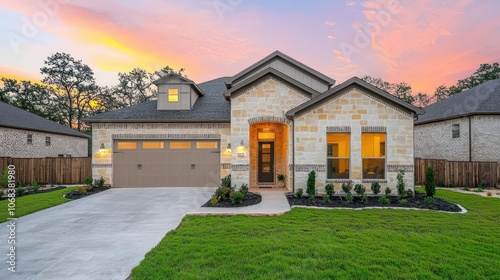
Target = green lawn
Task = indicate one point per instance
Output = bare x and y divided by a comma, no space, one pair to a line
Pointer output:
35,202
335,244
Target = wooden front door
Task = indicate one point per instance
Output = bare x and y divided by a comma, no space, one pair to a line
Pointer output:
266,162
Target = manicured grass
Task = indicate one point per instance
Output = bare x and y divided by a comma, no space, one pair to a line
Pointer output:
34,202
335,244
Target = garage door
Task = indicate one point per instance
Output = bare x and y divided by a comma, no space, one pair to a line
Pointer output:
166,163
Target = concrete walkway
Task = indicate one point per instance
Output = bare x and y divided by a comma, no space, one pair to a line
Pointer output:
103,236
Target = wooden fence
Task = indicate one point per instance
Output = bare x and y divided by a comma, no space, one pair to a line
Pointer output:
458,173
49,170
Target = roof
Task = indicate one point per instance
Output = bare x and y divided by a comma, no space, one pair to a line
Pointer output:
13,117
168,78
483,99
354,81
275,73
286,58
211,107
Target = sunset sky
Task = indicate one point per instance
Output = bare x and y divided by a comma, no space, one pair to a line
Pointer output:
425,43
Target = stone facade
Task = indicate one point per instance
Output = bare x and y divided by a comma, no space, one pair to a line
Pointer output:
14,144
353,111
102,164
435,141
269,99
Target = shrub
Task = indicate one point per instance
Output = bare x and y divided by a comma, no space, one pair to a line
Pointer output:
299,192
215,199
244,189
359,189
81,190
281,177
347,187
417,203
451,185
364,197
388,191
223,192
403,201
452,206
326,198
409,193
329,189
226,181
349,197
35,186
430,189
4,178
400,186
384,200
30,188
88,181
237,197
99,182
429,201
19,191
441,184
375,188
311,184
481,187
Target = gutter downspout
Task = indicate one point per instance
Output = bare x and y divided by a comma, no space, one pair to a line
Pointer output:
470,141
293,155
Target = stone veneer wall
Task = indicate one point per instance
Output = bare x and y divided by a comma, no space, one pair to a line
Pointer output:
13,143
353,109
103,133
269,99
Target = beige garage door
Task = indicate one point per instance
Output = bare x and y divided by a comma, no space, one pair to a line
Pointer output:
183,163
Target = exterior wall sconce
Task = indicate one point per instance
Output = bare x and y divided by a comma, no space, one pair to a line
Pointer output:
241,150
228,149
102,149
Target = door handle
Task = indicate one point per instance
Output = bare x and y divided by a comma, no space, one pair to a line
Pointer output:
139,166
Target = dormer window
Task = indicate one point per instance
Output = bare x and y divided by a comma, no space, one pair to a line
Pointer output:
173,95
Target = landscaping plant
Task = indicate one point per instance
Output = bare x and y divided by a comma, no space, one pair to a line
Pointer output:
88,182
388,191
364,198
311,184
4,178
226,181
349,198
237,197
429,201
281,177
430,188
384,200
375,188
329,189
299,192
326,198
99,182
359,189
409,193
244,188
400,186
347,187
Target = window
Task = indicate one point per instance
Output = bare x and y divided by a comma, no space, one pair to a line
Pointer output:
173,95
29,139
152,145
127,145
373,154
180,145
47,141
338,154
206,145
455,130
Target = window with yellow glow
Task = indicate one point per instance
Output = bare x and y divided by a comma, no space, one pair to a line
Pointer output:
152,145
127,145
206,145
338,155
373,155
173,95
180,145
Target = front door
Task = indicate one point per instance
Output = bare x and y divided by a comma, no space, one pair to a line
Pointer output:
266,162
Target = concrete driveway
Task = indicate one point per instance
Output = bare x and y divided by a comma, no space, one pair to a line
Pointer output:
103,236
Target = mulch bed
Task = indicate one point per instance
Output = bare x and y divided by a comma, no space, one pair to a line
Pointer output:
250,199
76,195
337,201
46,190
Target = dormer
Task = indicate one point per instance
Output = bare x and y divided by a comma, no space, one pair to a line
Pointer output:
176,92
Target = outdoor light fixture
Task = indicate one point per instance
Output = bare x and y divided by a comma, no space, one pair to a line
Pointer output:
241,149
228,149
102,149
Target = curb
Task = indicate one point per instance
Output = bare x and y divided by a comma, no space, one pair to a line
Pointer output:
463,210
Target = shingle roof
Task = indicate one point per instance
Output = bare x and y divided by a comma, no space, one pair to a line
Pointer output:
211,107
479,100
13,117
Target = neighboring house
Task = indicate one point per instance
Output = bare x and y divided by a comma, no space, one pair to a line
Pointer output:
277,116
26,135
463,127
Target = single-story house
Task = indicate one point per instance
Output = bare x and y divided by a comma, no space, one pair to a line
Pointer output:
463,127
26,135
278,116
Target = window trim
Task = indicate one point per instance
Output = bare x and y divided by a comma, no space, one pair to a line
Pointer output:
384,157
177,94
332,157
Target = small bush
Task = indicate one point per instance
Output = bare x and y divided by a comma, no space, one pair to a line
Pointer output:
364,198
375,188
81,190
226,181
441,184
35,186
349,198
388,191
403,201
88,181
223,192
4,178
347,187
20,191
237,197
417,203
430,188
409,193
329,189
359,189
244,189
99,182
215,199
280,177
466,189
299,192
311,184
451,185
400,186
429,201
481,187
326,198
384,200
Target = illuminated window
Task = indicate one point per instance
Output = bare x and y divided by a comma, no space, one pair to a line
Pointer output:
206,145
338,154
373,154
180,145
127,145
152,145
173,95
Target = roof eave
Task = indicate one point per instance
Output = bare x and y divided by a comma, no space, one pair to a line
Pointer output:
156,121
455,117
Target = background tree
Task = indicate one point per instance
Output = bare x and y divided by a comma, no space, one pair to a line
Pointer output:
422,100
401,90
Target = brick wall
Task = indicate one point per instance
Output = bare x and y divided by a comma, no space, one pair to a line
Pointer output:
13,143
486,138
